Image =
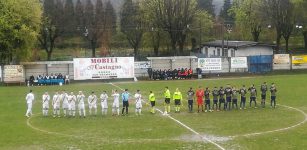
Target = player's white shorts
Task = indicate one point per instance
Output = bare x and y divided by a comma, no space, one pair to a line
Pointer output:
104,104
90,106
45,106
115,104
29,105
56,106
81,106
65,105
138,105
72,107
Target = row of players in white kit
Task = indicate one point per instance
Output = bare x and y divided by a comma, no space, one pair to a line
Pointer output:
69,102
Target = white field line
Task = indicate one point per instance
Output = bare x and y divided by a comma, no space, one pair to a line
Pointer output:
182,124
48,132
277,130
204,138
97,138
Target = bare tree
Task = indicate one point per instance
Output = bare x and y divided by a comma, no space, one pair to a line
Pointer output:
277,11
110,20
174,17
132,25
94,22
248,16
50,28
69,23
288,21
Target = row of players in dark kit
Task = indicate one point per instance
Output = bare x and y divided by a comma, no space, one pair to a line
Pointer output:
229,97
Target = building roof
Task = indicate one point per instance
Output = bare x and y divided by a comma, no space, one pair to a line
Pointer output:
235,44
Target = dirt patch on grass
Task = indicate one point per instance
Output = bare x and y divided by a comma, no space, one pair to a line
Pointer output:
203,138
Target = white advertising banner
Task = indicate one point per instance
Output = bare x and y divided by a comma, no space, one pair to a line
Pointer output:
103,68
142,64
281,59
238,62
210,64
13,73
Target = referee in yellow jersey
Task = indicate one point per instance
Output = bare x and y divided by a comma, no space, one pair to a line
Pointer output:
167,96
177,98
152,100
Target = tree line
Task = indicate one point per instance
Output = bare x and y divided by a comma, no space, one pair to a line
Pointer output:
283,16
167,27
97,22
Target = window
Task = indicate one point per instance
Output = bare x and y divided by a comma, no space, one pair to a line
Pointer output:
233,53
214,53
206,52
218,52
225,53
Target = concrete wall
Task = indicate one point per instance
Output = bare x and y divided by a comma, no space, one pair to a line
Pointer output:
281,66
35,70
140,72
174,63
161,64
301,66
181,63
39,69
287,66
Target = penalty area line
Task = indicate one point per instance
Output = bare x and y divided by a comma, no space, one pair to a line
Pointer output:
182,124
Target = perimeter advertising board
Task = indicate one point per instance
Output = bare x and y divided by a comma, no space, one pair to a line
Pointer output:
103,68
13,73
238,62
210,64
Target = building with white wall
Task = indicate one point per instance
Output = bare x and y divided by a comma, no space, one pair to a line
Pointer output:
235,49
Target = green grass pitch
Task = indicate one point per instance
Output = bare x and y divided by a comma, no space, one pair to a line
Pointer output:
149,131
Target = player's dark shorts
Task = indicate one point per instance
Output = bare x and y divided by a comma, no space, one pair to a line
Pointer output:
215,101
243,99
167,100
273,98
263,96
234,100
228,99
190,102
253,98
207,101
153,103
177,102
125,104
222,100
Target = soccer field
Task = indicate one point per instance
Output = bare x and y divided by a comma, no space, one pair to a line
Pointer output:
253,129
